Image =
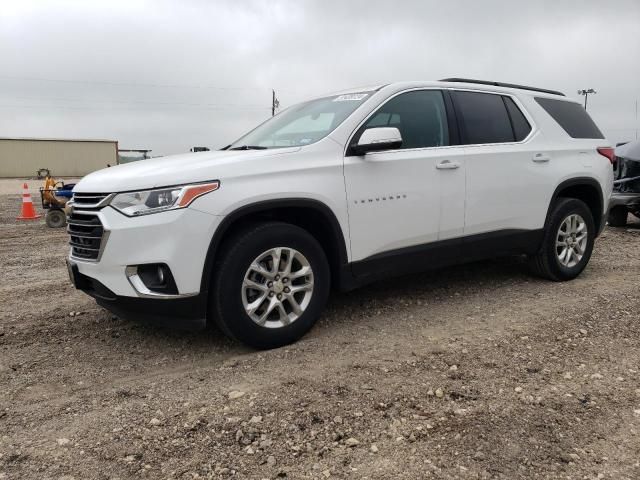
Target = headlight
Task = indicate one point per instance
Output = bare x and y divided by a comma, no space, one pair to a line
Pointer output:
144,202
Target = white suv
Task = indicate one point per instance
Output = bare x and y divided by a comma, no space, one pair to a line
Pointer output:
337,192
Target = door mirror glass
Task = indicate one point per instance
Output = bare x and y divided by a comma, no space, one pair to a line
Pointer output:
378,139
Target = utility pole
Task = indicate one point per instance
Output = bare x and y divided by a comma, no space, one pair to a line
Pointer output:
275,103
636,119
586,93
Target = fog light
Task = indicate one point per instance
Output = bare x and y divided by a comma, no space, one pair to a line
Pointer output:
152,278
160,274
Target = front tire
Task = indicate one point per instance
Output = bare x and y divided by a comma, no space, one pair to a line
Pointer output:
270,285
568,241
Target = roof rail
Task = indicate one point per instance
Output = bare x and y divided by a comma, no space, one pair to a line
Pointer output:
501,84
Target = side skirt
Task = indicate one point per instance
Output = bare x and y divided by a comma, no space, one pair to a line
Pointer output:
443,253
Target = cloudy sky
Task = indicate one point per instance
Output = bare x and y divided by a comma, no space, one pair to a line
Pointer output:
170,74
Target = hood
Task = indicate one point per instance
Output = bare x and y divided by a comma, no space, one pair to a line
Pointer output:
177,170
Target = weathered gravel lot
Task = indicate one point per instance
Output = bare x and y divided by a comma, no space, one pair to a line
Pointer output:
479,371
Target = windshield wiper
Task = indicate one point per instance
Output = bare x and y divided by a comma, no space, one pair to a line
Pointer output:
248,147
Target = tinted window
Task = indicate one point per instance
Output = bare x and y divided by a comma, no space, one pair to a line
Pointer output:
484,117
419,115
521,127
571,117
384,119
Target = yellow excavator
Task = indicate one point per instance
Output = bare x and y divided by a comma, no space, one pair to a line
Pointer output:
55,196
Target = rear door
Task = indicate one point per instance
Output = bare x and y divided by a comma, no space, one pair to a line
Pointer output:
506,178
395,197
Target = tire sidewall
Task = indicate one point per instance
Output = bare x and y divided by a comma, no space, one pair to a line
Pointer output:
55,219
563,210
228,285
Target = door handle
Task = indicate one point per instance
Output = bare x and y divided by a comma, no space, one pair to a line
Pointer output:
541,158
447,165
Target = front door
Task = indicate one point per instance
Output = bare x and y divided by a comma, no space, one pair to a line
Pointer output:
395,197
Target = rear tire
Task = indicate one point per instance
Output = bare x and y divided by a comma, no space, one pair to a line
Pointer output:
618,217
567,243
270,285
55,219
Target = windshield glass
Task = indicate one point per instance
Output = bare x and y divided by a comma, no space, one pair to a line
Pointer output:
302,124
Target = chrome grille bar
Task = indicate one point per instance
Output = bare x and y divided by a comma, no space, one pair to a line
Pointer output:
87,236
91,200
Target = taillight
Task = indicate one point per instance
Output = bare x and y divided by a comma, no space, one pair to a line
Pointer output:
608,152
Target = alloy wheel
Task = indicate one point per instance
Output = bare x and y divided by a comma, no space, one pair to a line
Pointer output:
277,287
571,241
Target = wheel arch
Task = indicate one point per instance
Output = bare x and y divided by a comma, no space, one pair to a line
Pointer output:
312,215
588,190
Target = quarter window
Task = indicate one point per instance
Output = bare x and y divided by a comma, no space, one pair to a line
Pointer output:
571,117
484,118
420,116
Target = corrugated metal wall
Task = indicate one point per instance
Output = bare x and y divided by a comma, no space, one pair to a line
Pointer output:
64,158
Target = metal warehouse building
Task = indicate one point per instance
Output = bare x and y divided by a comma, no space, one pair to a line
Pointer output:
23,157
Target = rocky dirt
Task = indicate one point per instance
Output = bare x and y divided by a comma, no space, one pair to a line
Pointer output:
479,371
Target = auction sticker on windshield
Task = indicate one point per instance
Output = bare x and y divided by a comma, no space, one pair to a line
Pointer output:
350,97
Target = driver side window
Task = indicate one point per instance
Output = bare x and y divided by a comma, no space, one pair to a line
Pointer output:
420,116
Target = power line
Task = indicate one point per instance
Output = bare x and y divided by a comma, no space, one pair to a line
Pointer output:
127,84
275,103
141,102
104,107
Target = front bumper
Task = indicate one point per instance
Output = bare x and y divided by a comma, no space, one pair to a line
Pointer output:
187,313
178,238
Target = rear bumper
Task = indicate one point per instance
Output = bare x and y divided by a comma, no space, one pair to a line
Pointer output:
631,200
187,313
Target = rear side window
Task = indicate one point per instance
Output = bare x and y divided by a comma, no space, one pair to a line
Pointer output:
521,127
484,117
571,117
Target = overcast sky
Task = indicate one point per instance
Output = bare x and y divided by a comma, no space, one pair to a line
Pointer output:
170,74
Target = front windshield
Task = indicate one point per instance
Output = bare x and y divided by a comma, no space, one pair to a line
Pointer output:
302,124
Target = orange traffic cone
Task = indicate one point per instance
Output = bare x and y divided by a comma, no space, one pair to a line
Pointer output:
28,212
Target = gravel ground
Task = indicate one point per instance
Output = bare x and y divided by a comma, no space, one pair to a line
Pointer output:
478,371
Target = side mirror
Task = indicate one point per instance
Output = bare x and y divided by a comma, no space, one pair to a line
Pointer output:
378,139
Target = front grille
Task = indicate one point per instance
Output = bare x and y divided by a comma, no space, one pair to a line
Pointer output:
87,235
89,200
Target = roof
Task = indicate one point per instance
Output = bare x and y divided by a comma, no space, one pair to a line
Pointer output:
456,83
501,84
481,87
33,139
